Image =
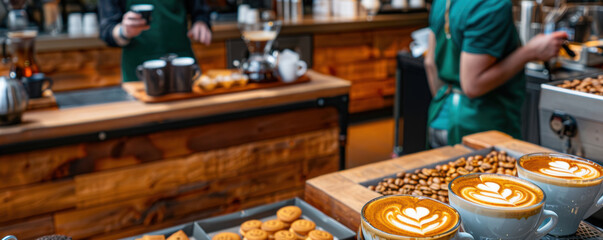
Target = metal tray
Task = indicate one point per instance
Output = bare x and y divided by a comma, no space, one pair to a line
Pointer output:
231,222
192,230
482,152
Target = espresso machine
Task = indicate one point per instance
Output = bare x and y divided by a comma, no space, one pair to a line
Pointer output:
259,36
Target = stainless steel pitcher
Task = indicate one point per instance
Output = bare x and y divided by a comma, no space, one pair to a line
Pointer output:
13,101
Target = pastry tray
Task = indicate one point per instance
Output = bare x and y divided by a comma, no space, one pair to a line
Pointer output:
231,222
192,230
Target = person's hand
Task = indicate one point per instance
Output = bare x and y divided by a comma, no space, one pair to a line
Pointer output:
133,24
544,47
199,32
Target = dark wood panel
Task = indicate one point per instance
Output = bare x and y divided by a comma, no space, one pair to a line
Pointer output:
29,228
121,184
212,197
33,200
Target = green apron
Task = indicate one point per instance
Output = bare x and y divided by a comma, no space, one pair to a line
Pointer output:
467,116
167,34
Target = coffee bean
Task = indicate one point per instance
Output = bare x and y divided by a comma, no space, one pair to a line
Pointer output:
426,171
393,186
443,186
463,171
413,182
371,187
422,182
398,181
442,199
435,186
422,176
414,177
437,180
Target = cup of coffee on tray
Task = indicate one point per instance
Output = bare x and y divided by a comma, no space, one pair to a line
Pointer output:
182,72
290,67
400,217
144,10
153,74
497,206
572,185
36,85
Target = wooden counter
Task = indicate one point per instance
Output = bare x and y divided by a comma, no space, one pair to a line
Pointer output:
121,169
340,195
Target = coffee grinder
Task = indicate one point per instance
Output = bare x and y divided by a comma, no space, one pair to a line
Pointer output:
259,35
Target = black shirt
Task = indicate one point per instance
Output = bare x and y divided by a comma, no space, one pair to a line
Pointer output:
112,11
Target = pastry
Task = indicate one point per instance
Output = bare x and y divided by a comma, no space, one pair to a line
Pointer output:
248,225
180,235
289,214
319,235
284,235
272,226
302,227
207,83
153,237
226,236
256,234
225,81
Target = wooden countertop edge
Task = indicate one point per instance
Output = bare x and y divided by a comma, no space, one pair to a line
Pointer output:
342,191
98,118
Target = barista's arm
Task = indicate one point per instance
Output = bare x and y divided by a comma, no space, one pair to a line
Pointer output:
111,12
482,73
200,24
117,28
430,67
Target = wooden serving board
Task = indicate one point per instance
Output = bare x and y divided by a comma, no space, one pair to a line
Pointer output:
136,89
46,101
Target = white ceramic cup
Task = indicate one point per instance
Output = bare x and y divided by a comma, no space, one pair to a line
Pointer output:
572,200
90,24
369,232
494,222
290,67
74,22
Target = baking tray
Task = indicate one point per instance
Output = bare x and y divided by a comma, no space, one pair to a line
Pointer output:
482,152
231,222
192,230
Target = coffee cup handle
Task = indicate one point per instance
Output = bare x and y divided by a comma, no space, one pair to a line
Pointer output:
548,226
302,67
49,81
196,71
594,208
463,236
139,70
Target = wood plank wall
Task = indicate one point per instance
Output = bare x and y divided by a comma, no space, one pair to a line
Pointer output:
367,59
131,185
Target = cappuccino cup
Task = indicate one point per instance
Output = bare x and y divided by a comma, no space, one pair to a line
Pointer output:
403,217
572,186
144,10
497,206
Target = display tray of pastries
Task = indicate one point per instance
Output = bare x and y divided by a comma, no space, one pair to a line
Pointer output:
213,82
189,231
432,180
592,85
291,219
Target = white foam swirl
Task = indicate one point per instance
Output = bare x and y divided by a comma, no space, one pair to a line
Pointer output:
493,194
564,169
416,220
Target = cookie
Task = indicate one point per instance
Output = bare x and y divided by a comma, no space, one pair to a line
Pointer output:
302,227
289,214
272,226
226,236
319,235
249,225
284,235
256,234
180,235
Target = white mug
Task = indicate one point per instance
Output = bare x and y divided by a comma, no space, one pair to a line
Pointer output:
572,200
493,222
291,70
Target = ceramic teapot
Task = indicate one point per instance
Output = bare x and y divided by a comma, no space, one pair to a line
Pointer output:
13,100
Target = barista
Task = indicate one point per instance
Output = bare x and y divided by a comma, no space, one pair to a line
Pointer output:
475,68
167,33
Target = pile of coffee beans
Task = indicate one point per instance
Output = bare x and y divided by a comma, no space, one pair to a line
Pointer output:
433,182
588,85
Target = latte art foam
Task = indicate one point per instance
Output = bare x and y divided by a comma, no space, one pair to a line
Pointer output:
496,191
411,216
562,168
